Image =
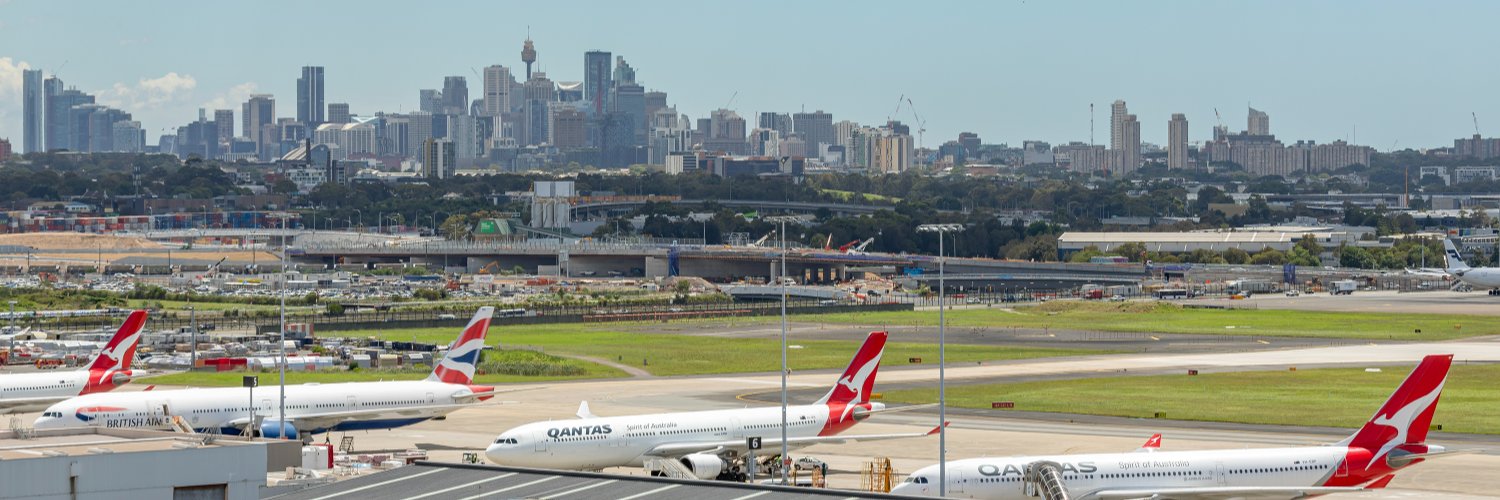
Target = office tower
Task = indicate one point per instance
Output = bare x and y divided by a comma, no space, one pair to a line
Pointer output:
1259,123
430,100
655,101
1177,141
970,142
338,112
33,107
59,125
224,121
780,122
891,153
623,72
569,91
392,137
463,130
455,95
128,137
528,55
497,85
843,135
596,80
257,115
630,104
816,128
569,127
1117,124
5,150
418,131
439,158
310,97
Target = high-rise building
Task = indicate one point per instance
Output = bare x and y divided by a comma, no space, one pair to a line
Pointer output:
570,91
528,55
1177,141
33,108
4,150
569,127
1130,154
256,115
629,102
816,128
310,97
455,95
655,101
338,112
1258,123
892,153
623,72
59,118
418,131
439,158
224,121
771,120
430,100
1117,124
597,80
497,85
128,137
970,142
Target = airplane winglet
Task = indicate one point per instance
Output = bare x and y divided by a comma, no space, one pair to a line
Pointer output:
583,410
937,429
1380,483
149,387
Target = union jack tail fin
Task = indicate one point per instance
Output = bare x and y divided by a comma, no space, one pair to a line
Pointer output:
855,384
1405,417
119,353
457,367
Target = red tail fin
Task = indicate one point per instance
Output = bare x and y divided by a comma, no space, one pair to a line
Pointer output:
1405,417
119,353
859,378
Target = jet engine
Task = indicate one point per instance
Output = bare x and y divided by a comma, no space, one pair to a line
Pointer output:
703,465
272,429
121,377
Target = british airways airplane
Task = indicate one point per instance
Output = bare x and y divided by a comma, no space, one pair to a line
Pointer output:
310,408
1390,441
26,392
706,442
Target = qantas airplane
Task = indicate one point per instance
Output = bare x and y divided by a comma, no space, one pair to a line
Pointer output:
1481,277
706,442
1391,440
310,408
26,392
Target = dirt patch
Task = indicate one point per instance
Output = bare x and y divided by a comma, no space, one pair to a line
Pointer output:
46,241
1138,307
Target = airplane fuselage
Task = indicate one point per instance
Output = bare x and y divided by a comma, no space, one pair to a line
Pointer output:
597,443
228,409
27,392
1086,475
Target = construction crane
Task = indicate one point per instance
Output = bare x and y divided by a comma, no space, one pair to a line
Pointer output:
1476,123
921,124
731,99
897,112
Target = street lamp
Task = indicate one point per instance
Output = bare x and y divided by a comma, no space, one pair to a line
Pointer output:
782,220
941,230
361,213
12,347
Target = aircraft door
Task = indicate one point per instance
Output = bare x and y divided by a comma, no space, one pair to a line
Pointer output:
1221,474
431,399
955,480
353,403
541,442
735,429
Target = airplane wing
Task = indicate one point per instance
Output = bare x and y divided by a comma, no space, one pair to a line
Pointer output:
11,405
476,395
674,450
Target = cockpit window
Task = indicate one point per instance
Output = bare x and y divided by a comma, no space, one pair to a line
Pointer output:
53,414
916,479
505,441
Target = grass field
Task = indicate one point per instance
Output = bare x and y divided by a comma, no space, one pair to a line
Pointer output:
666,354
1154,317
1324,397
846,195
584,370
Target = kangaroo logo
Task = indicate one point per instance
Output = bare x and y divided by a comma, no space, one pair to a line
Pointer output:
848,383
1401,421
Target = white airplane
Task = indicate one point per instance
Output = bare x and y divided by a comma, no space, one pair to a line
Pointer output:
1477,277
26,392
706,442
1391,440
310,408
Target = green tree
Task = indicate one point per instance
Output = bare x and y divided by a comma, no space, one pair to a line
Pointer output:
1235,255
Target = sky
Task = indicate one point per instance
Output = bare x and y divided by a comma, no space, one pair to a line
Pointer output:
1382,73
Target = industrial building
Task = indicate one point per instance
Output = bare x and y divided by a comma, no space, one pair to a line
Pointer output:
1249,239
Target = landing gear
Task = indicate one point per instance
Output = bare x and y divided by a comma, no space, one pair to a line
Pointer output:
1494,292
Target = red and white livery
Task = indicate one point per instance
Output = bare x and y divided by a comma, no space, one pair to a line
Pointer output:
24,392
1391,440
703,441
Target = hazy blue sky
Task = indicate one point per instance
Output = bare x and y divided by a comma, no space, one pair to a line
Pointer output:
1008,70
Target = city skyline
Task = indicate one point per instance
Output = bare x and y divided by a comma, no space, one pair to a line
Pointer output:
958,79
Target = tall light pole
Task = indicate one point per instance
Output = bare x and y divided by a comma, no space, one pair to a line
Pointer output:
12,347
193,319
782,220
281,429
941,230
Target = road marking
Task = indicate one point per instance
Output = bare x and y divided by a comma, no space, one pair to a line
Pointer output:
382,483
649,493
753,495
572,491
465,485
522,485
